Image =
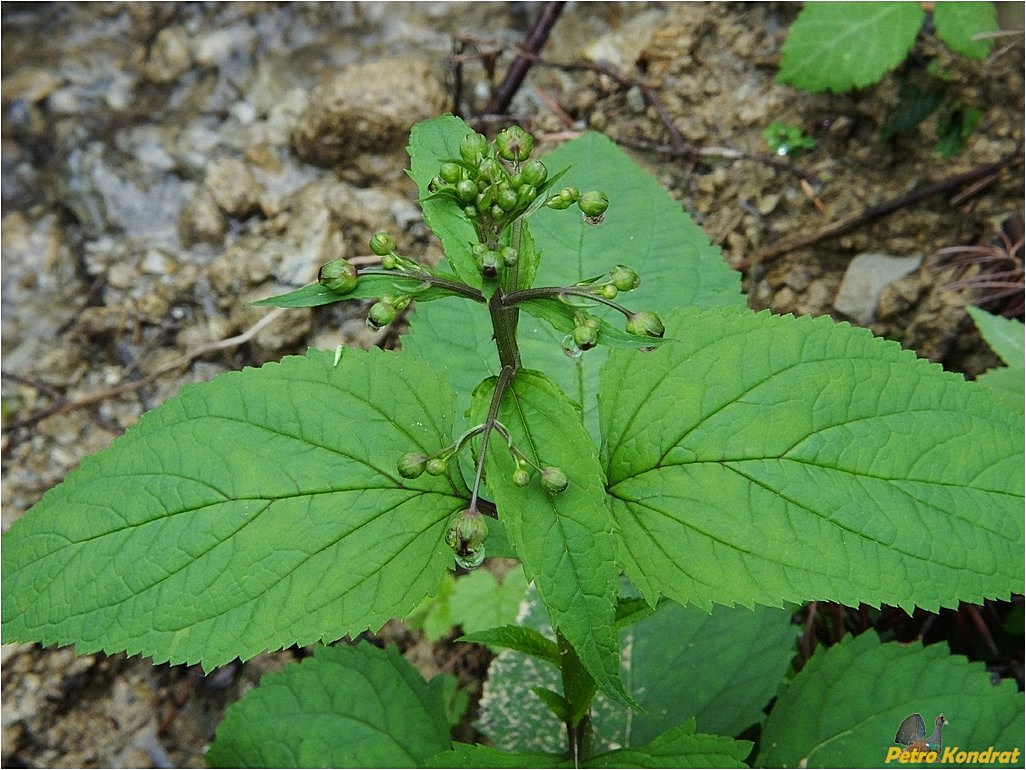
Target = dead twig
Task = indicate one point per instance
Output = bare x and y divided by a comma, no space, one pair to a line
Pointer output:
504,93
875,213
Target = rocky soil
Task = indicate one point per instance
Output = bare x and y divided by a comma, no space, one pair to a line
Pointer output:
163,164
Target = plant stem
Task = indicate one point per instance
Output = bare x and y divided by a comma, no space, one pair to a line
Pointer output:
548,292
505,378
579,689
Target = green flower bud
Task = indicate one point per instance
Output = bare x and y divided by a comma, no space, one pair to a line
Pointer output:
473,147
436,466
466,191
382,244
585,337
509,256
466,535
338,275
534,173
558,202
490,170
593,203
553,480
471,212
450,172
436,184
609,291
485,199
526,195
514,144
645,323
381,314
489,263
496,211
521,477
624,278
412,464
506,198
389,261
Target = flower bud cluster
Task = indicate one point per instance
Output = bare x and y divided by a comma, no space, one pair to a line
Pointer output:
386,310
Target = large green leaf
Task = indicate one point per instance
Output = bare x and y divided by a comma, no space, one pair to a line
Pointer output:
567,541
958,23
763,459
431,142
680,662
644,229
255,511
840,46
845,706
344,707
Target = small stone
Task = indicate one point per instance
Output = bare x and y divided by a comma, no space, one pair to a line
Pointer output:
201,220
169,55
233,187
865,278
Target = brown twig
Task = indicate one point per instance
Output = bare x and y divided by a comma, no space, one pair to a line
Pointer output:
539,33
128,387
874,213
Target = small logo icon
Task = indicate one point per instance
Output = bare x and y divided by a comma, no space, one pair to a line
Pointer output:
912,733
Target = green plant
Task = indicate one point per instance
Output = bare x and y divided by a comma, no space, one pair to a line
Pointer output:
785,139
714,456
841,46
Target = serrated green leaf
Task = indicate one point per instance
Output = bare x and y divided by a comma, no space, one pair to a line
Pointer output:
958,23
567,541
763,459
343,707
679,746
480,602
845,706
838,46
525,640
644,229
256,511
431,142
1004,335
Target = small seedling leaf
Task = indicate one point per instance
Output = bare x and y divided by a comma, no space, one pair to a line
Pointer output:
344,707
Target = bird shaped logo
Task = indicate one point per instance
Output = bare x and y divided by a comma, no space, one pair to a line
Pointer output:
912,733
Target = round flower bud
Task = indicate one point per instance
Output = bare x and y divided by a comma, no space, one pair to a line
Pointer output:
506,198
609,291
514,144
489,263
521,477
534,173
466,535
471,212
436,466
585,337
382,244
509,256
526,195
624,279
593,203
553,480
338,275
558,202
450,172
412,464
381,314
490,170
466,191
473,147
645,323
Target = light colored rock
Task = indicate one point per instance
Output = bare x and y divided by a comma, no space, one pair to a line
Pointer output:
233,187
865,278
367,108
